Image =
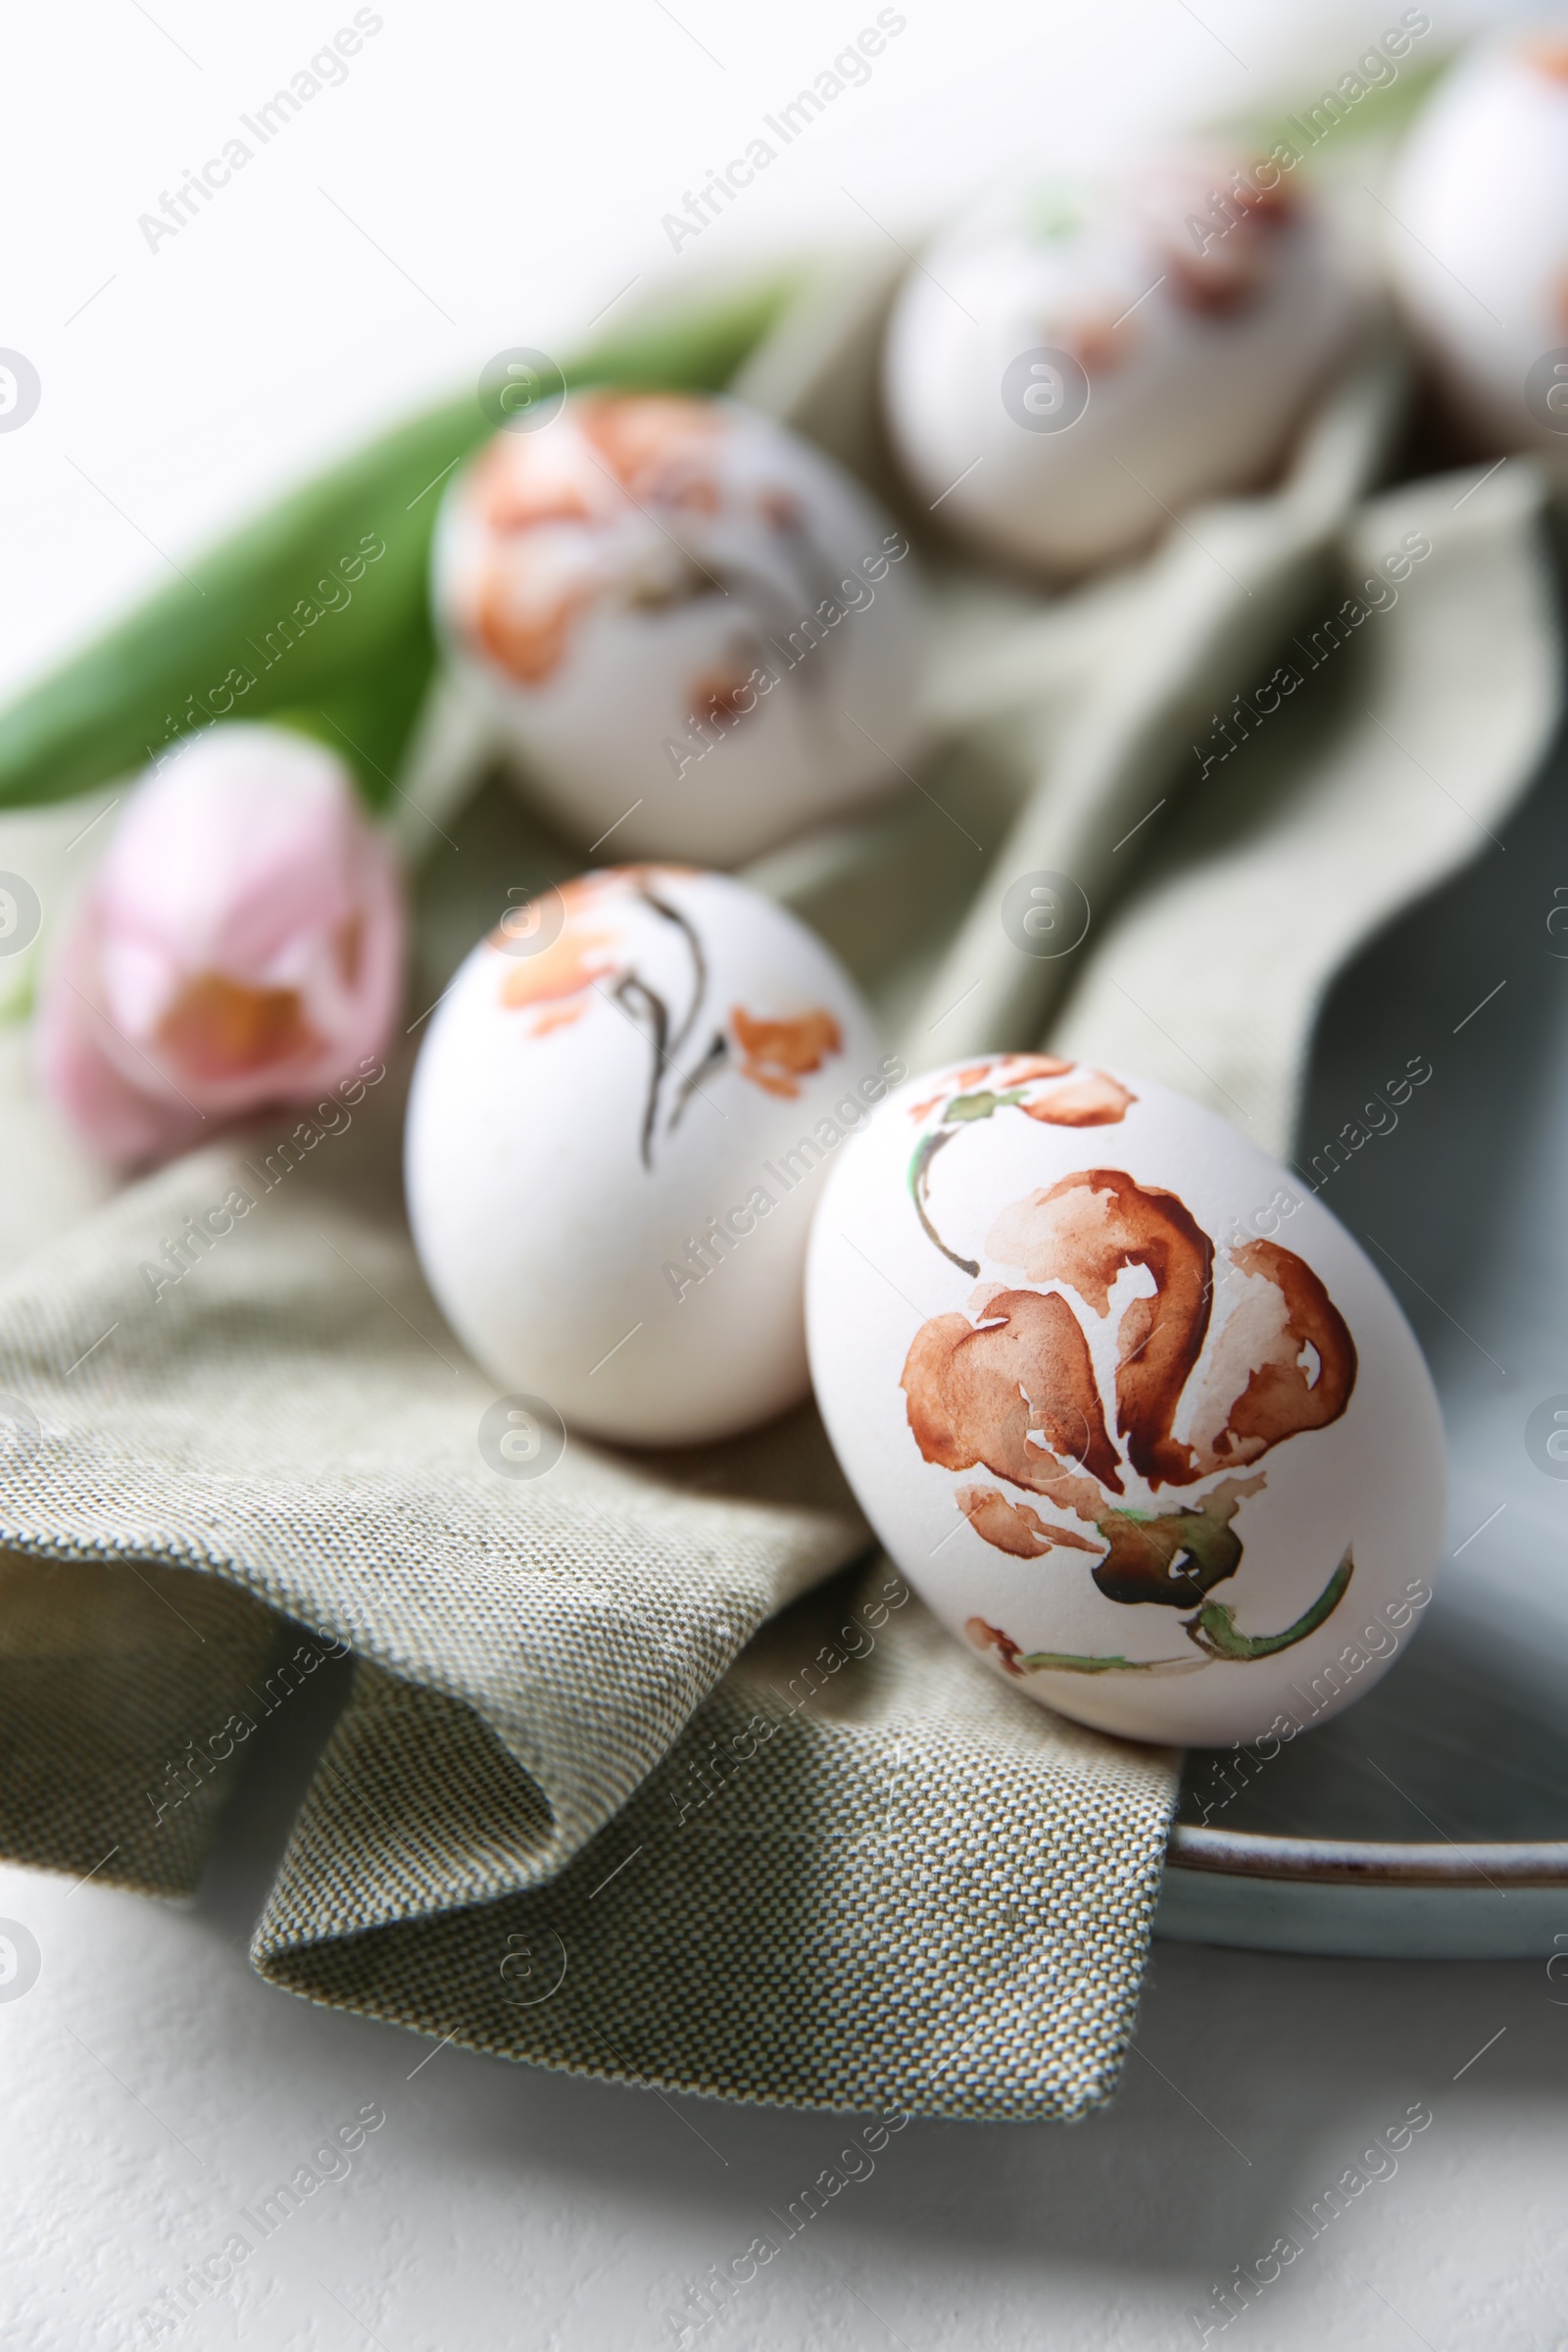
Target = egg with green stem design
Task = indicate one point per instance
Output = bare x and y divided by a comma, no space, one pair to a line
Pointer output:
698,635
624,1107
1128,1407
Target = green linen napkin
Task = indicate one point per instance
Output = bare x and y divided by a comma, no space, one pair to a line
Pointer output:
574,1812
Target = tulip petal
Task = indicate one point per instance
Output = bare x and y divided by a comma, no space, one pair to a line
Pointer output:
240,945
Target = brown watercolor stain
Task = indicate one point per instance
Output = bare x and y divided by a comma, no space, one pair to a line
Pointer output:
658,445
512,489
561,978
1258,1380
579,958
974,1395
991,1637
777,1055
1097,345
1016,1527
543,497
527,634
1241,264
1085,1231
715,698
781,510
1096,1099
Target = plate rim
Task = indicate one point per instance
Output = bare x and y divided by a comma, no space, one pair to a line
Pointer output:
1365,1862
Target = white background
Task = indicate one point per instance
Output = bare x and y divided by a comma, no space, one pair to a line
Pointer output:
513,166
487,176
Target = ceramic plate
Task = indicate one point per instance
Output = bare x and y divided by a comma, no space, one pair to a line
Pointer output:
1430,1818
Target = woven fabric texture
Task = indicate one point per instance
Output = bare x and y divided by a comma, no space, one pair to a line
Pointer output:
908,1859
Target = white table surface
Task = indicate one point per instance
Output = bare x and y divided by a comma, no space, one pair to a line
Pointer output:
485,177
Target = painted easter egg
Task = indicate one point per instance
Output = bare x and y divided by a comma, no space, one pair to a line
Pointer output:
619,1123
1476,231
1077,361
697,633
1128,1407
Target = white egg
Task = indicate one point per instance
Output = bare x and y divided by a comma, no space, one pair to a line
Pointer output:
1127,1406
1477,238
1079,361
619,1124
699,633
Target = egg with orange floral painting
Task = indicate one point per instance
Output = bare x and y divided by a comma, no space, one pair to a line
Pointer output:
1476,231
1081,360
697,634
619,1120
1129,1408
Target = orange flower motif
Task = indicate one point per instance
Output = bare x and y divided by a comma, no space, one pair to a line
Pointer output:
655,442
1014,1382
1093,1098
560,978
594,954
588,950
776,1055
1010,1385
1011,1072
526,632
545,501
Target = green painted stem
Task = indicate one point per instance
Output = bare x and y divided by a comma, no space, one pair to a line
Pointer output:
1213,1628
1062,1661
925,1150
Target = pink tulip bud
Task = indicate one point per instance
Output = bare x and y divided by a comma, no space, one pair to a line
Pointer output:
240,945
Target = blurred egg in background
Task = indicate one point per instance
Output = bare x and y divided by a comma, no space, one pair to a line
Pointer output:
1084,356
697,633
1477,236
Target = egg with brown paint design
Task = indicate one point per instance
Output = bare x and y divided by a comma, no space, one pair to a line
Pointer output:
1082,359
626,1104
1476,233
1128,1407
697,634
